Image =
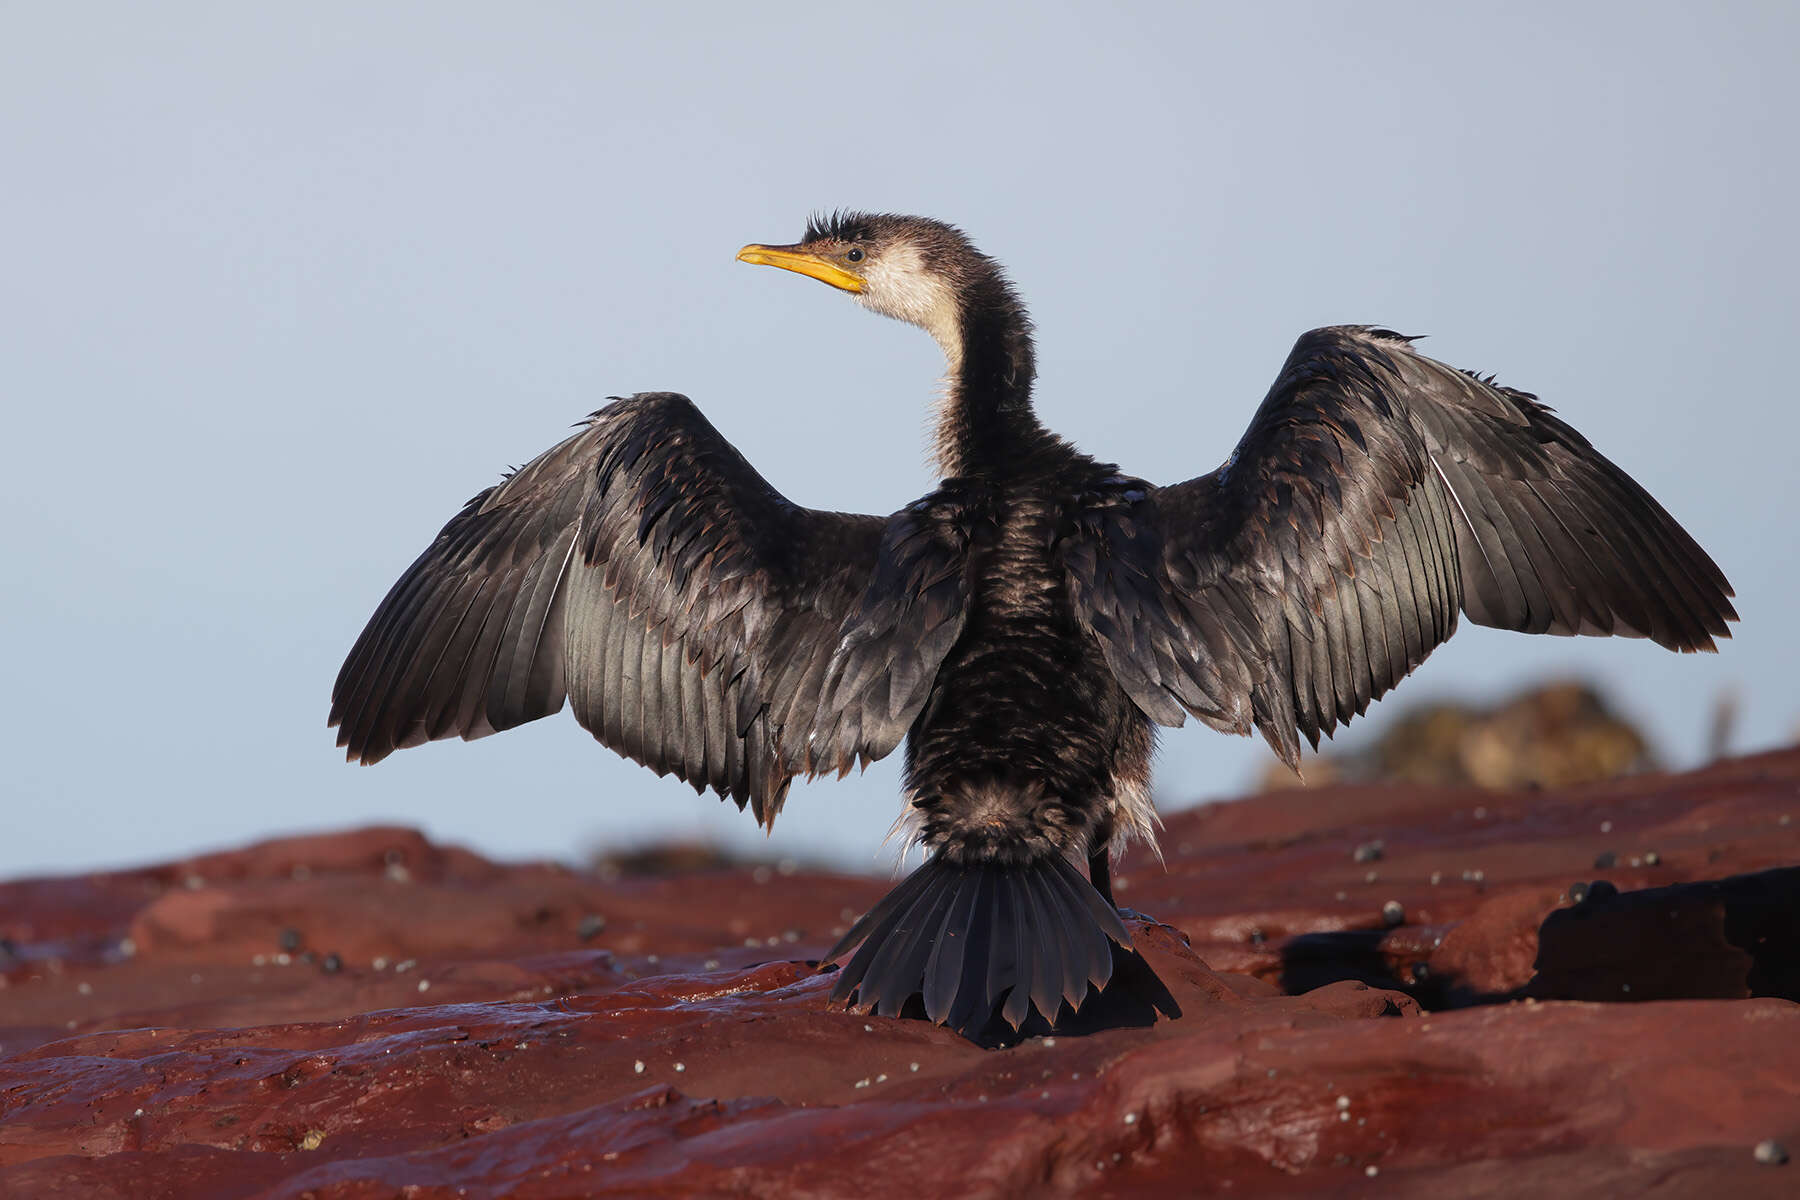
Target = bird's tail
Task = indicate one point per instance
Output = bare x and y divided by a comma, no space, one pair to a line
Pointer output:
969,938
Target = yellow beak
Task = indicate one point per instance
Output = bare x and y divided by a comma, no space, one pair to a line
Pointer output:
792,258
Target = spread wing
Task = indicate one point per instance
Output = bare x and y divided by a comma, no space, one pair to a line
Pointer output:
699,622
1376,495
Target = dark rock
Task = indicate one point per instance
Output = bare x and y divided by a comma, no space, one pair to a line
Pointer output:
1733,937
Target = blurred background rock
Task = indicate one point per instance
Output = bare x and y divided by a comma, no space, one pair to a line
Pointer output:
1559,733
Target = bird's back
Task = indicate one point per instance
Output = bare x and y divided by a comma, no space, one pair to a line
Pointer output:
1025,720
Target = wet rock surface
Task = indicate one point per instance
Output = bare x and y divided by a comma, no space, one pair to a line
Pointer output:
1383,989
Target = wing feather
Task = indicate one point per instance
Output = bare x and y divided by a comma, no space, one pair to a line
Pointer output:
1376,495
700,623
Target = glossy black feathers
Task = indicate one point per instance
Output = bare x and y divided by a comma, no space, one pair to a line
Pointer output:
645,571
1376,495
972,940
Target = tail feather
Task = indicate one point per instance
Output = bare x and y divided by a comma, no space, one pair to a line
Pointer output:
972,940
1104,914
1047,966
943,971
1003,954
973,1003
1087,954
1018,979
913,928
909,890
920,942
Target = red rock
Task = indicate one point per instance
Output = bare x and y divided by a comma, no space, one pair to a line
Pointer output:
145,1051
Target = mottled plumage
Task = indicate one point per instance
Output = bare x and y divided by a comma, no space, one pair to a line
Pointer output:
1023,626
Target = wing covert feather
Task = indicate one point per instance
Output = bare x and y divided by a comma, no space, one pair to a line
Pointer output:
1376,495
700,623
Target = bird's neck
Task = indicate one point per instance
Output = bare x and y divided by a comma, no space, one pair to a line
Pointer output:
985,422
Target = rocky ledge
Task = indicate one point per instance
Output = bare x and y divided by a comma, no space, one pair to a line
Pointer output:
1403,991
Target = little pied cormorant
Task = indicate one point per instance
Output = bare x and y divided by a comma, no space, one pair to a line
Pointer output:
1021,628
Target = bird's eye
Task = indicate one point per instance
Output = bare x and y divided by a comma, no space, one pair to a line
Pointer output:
854,254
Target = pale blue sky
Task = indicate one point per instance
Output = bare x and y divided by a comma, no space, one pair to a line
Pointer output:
282,286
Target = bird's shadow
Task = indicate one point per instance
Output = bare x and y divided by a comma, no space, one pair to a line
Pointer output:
1133,998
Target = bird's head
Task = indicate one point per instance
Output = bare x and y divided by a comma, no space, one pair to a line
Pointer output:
911,268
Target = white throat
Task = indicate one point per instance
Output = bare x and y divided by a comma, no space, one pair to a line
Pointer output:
898,285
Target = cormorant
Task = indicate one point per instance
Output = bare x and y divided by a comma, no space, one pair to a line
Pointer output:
1026,624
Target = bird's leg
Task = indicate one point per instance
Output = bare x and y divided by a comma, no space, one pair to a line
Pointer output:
1100,860
1100,870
